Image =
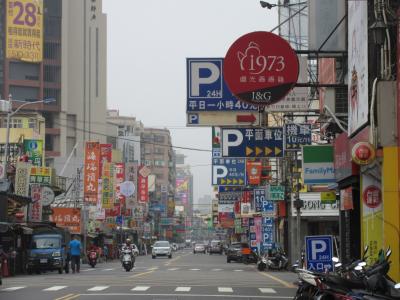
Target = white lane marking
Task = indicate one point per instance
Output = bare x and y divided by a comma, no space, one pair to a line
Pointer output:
87,270
140,288
55,288
194,269
14,288
267,291
183,289
108,269
225,290
237,270
216,270
98,288
173,269
152,269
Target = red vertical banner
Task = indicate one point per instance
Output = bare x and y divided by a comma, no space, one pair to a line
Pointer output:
253,169
143,189
91,173
105,156
119,177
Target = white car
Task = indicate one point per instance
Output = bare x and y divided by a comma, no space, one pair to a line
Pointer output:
199,248
161,248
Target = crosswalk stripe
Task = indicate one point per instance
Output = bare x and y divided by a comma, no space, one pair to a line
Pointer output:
173,269
14,288
140,288
108,269
183,289
237,270
87,270
225,290
267,291
194,269
216,270
98,288
55,288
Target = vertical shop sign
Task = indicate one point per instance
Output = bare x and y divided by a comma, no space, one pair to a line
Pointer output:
268,225
107,190
259,198
131,171
35,214
24,30
258,229
22,178
34,150
119,177
91,174
143,189
346,199
253,169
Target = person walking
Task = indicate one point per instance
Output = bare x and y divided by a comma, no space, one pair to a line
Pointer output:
105,252
75,250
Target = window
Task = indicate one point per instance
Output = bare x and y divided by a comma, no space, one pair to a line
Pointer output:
159,163
148,162
32,123
159,150
15,123
159,139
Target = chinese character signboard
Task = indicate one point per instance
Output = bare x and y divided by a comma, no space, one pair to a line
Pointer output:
34,150
91,173
22,178
259,198
253,169
67,218
260,68
319,252
207,90
35,213
252,142
24,30
228,171
119,176
276,193
131,171
107,199
297,135
40,175
143,193
268,226
105,156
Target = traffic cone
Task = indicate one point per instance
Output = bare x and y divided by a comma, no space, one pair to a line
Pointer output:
5,268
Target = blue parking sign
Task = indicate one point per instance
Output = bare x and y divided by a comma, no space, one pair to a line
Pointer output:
319,253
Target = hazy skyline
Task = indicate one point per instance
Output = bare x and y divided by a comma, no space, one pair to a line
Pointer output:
148,43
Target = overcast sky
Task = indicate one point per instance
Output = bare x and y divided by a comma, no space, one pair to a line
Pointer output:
148,43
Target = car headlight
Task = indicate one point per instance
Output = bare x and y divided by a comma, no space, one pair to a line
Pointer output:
56,253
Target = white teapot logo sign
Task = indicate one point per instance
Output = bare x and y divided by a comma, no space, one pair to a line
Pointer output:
256,63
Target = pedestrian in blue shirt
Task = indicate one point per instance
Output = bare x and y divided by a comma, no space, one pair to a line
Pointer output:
75,251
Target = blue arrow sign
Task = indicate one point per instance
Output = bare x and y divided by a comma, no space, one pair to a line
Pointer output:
229,171
252,142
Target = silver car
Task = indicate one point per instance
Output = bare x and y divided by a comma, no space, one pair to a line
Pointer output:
161,248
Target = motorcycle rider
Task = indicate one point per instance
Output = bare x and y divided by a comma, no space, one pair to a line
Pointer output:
128,245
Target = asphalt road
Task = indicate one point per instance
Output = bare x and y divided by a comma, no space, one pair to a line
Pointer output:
185,276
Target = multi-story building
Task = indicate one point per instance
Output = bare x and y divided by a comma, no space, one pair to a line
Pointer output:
129,131
72,71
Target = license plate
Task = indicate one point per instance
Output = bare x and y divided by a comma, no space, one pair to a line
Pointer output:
43,260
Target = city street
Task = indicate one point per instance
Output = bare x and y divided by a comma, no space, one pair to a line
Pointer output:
185,276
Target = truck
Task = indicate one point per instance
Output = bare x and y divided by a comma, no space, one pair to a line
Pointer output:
47,250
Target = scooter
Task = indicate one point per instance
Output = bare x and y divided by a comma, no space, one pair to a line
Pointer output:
92,258
128,260
277,262
262,263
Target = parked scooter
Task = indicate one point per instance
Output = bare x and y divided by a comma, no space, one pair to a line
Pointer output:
92,258
128,259
277,261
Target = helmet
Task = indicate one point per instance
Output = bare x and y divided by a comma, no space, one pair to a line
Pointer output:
128,241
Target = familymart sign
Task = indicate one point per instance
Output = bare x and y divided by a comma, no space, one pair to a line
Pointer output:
318,164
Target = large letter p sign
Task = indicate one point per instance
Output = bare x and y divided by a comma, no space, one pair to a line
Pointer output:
317,246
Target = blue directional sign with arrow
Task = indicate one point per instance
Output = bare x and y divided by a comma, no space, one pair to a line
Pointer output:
252,142
229,171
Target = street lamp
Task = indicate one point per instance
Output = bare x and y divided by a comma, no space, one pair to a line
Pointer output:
10,113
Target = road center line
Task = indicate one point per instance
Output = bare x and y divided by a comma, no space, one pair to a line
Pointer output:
141,274
64,297
72,297
283,282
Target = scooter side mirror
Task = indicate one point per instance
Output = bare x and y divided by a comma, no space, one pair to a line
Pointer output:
397,286
335,259
338,265
362,264
358,268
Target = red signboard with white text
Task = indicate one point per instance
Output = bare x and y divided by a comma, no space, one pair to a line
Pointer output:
143,192
260,68
91,173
